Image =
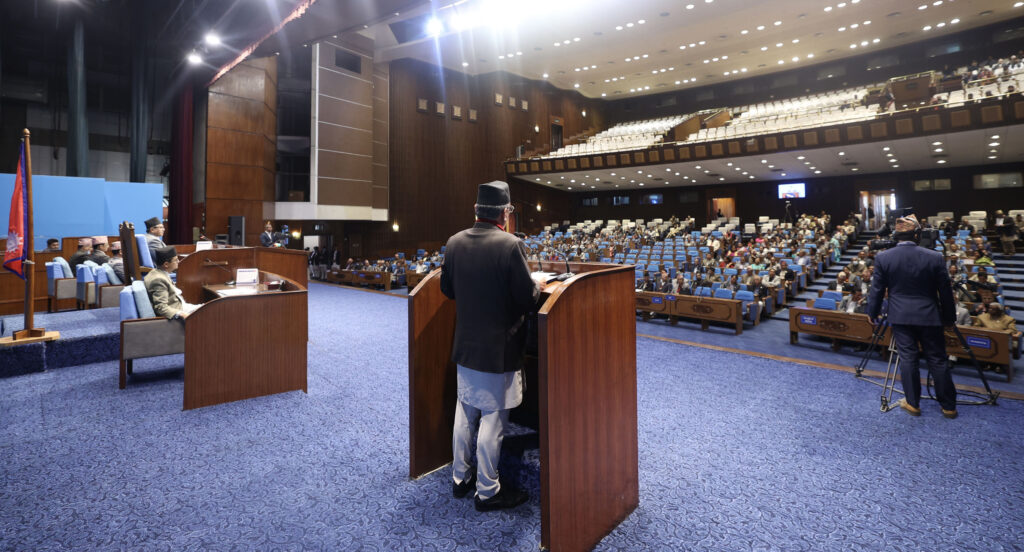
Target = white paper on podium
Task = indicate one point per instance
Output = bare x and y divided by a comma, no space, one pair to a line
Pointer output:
543,277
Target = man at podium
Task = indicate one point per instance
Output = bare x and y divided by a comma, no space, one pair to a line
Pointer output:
485,272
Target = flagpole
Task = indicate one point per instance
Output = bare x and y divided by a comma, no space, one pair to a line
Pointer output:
29,334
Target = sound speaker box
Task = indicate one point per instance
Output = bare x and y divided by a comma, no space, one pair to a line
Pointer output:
236,230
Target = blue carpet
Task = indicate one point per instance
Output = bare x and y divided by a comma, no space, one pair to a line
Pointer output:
86,336
737,453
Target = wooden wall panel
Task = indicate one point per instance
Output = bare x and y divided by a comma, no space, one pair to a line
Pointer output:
241,146
355,105
436,163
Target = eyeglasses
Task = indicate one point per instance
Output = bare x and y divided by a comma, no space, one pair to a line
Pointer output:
511,208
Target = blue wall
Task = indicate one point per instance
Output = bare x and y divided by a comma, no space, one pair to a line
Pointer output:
66,206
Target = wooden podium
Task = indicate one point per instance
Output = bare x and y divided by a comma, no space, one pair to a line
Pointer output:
585,397
245,345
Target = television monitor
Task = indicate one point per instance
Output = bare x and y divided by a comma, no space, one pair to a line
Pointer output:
795,190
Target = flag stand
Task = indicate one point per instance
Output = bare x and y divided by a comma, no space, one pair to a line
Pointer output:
30,334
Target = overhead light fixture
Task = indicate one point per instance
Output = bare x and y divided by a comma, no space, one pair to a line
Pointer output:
212,39
394,226
194,58
434,27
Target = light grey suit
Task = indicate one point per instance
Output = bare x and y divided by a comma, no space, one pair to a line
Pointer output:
162,294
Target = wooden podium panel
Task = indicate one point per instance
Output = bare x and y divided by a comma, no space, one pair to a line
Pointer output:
588,408
587,398
246,346
432,382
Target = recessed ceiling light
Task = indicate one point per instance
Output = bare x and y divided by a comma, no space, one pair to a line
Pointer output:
993,144
941,161
886,148
545,75
994,137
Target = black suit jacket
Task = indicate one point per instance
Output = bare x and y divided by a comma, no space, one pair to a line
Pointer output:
485,272
918,284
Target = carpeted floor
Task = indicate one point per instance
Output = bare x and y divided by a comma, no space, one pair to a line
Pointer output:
737,453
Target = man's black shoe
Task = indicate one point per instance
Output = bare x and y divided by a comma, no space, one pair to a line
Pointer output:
460,490
507,497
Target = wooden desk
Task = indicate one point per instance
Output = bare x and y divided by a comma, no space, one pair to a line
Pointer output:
412,279
586,397
361,277
218,265
705,309
244,346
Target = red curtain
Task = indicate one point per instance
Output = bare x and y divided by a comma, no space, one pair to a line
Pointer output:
179,218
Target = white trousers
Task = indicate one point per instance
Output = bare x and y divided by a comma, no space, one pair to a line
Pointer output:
486,430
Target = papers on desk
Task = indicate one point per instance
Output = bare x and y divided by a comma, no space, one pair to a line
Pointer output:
247,276
204,245
543,277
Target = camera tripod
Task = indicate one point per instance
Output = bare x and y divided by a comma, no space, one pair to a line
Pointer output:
888,383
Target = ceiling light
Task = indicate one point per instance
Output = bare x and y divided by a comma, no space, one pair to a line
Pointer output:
993,144
212,39
744,31
777,23
817,172
641,21
927,28
938,150
577,85
941,161
194,58
465,64
994,137
954,21
545,75
618,27
760,27
828,8
434,27
886,148
993,156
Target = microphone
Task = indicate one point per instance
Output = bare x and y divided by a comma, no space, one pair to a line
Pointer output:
568,273
230,282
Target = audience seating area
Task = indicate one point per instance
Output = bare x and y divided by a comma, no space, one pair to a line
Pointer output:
624,137
979,81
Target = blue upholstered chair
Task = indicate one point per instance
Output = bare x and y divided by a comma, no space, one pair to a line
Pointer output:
703,292
825,303
750,307
143,334
85,285
722,293
833,295
60,283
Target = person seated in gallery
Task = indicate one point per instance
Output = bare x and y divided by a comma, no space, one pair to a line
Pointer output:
948,227
166,298
350,264
116,261
680,286
53,245
99,250
966,225
983,258
773,280
663,283
154,236
748,277
647,284
731,283
963,316
81,255
996,319
854,303
761,293
842,283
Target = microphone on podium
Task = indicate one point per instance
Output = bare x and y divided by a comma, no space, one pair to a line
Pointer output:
211,262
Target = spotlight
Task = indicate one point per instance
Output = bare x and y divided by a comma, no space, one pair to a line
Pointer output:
434,26
194,58
538,207
395,226
212,39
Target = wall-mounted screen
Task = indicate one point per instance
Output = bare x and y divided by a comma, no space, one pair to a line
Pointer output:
790,191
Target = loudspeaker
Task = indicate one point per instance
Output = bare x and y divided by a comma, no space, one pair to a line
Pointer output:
236,230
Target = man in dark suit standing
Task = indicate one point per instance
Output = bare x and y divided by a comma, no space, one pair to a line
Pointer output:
485,272
267,237
920,304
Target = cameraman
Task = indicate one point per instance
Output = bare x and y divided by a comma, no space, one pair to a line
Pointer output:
920,304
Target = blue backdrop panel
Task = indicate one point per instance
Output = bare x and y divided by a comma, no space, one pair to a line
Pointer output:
67,206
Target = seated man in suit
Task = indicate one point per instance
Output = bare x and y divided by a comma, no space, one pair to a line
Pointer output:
80,256
99,250
154,236
680,286
116,260
647,284
663,284
53,244
165,296
854,303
